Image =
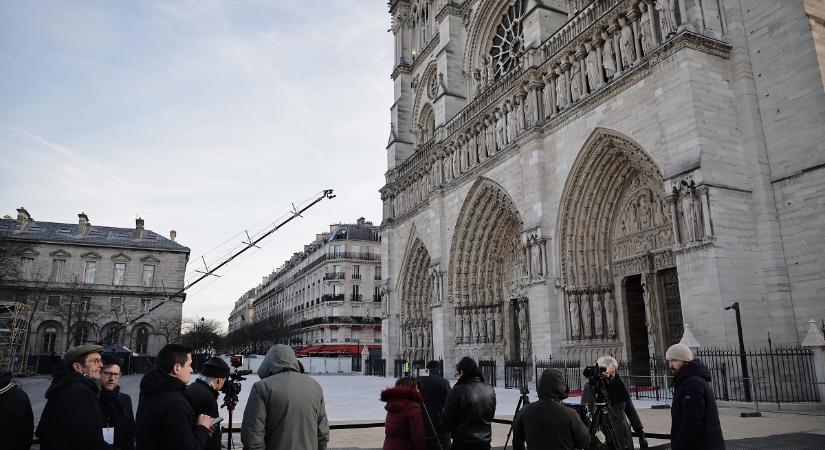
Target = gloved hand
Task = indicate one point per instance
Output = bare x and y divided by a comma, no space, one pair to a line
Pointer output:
642,440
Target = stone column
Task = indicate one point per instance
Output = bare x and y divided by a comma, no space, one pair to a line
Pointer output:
673,200
633,17
816,342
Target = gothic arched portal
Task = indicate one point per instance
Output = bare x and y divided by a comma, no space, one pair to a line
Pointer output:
487,269
415,304
616,230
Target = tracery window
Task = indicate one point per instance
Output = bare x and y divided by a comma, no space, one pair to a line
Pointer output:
509,39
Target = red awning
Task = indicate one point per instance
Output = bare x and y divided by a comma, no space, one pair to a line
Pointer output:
335,349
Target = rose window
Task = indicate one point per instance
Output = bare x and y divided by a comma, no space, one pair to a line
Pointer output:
508,40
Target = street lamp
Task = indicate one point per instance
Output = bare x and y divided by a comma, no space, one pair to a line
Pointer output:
743,359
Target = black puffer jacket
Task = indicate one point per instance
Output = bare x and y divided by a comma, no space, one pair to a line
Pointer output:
165,419
695,419
204,400
16,420
547,424
469,410
71,418
116,411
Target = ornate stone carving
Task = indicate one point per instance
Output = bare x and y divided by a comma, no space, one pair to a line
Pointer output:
610,314
608,56
573,305
594,73
667,16
627,47
575,78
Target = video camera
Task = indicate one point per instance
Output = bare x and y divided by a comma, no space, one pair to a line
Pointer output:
232,387
595,375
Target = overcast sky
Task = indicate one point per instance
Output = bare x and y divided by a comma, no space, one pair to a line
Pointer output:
205,117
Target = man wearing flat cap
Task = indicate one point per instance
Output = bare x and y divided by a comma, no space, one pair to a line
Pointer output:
203,394
115,406
71,419
694,417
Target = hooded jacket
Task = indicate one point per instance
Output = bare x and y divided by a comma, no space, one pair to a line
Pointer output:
204,400
404,425
165,419
71,418
547,424
286,408
695,419
116,411
16,419
469,410
622,413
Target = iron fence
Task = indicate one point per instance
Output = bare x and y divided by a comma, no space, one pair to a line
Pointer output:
376,367
398,368
488,371
570,368
517,374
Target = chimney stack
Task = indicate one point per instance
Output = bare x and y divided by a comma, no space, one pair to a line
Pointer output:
139,228
23,218
361,221
172,235
82,223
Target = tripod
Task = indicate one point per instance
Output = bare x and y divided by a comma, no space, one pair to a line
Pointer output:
524,400
427,415
229,401
602,433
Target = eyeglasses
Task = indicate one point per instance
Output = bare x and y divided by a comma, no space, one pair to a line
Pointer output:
96,361
111,374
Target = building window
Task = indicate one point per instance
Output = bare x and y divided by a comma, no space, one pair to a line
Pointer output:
356,272
26,268
336,311
336,289
377,273
142,340
89,272
116,303
148,275
53,301
81,334
49,340
356,334
356,292
334,335
58,266
120,274
145,304
110,336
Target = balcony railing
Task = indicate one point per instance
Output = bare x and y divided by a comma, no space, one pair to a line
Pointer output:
334,276
356,276
332,298
356,297
355,255
376,298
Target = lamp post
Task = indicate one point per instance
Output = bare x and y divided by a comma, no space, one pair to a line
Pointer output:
743,359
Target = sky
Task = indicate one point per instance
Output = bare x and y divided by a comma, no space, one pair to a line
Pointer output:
206,117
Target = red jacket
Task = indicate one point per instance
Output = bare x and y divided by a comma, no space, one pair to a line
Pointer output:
404,426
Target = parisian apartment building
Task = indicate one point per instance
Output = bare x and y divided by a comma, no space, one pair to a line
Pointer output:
326,295
83,282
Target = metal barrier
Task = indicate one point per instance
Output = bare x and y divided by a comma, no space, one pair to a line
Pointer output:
516,374
488,371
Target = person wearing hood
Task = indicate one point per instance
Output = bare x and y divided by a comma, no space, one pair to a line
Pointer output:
285,408
547,424
434,390
469,409
404,425
16,418
203,393
165,418
622,413
115,406
71,418
694,417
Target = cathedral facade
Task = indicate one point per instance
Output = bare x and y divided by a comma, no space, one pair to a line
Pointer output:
577,178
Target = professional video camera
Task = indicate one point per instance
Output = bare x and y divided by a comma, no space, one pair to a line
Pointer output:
595,375
231,389
602,434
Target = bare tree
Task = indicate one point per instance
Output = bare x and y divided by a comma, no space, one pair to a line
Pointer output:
202,334
11,254
75,309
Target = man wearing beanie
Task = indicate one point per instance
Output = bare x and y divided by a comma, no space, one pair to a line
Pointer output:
115,406
203,394
694,417
71,418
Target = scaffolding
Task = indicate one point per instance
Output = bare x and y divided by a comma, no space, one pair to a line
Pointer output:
14,320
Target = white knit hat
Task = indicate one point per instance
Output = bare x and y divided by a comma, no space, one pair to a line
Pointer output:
679,352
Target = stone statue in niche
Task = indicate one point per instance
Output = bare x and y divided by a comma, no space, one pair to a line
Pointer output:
648,288
691,219
519,104
575,79
459,326
479,84
667,16
587,316
535,260
645,211
594,76
573,304
561,89
626,46
426,339
610,313
481,141
547,95
529,112
500,130
489,136
597,314
491,327
608,56
512,124
644,28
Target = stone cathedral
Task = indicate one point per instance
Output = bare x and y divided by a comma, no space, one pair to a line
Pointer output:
575,178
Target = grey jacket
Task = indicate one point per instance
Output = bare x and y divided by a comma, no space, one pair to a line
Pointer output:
285,408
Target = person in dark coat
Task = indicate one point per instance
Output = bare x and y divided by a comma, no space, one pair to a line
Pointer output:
71,418
548,424
404,425
115,406
469,409
694,418
165,418
434,390
622,413
16,418
203,394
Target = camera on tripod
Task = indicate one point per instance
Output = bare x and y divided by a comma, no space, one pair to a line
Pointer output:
232,387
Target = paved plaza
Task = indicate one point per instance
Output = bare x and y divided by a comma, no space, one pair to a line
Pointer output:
354,399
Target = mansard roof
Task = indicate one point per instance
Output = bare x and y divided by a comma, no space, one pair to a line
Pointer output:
67,233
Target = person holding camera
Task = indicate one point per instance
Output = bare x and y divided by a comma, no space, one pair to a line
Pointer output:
622,413
469,409
165,418
203,394
548,424
286,408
